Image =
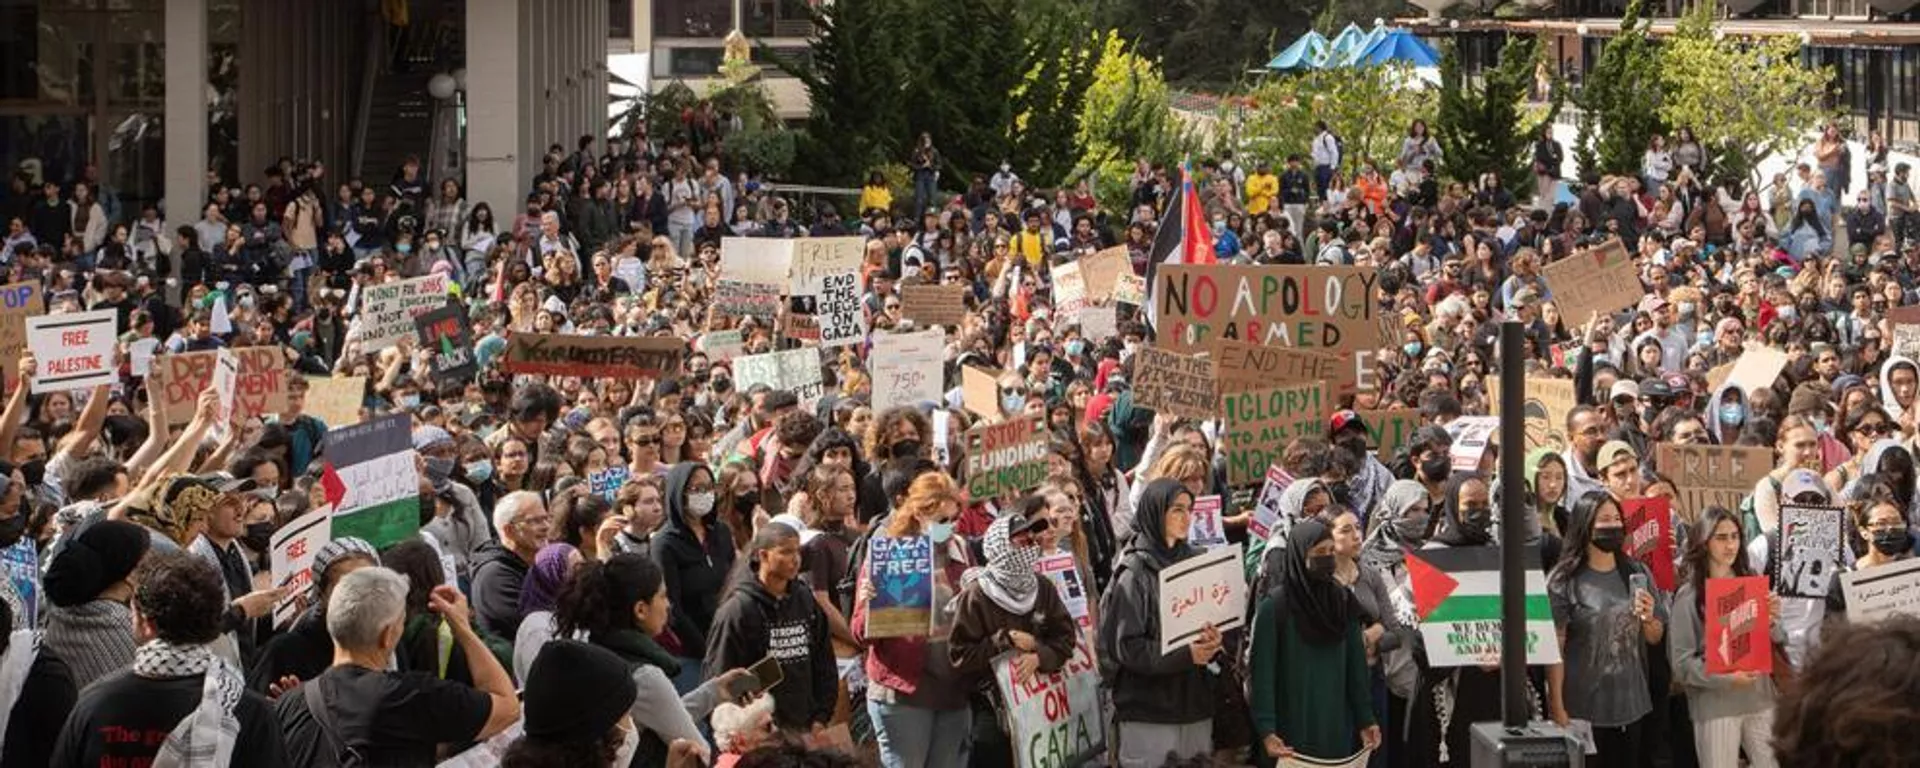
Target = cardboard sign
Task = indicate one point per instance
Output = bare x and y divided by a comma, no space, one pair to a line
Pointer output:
1130,289
1267,519
372,480
1256,426
1100,323
1102,271
1204,527
447,334
1246,366
387,310
1471,436
1649,532
1389,429
980,391
1738,635
1548,401
1170,382
794,370
908,369
1810,539
226,369
1005,458
599,357
607,483
735,299
1208,588
1069,292
1603,280
757,260
74,350
1053,719
260,384
934,304
293,548
1456,597
1757,368
1711,475
1882,592
1906,340
335,400
1322,308
815,259
18,301
901,572
722,346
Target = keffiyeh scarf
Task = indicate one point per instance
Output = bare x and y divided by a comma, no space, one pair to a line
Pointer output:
205,737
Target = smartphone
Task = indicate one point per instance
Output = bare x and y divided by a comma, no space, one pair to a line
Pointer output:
1640,583
764,675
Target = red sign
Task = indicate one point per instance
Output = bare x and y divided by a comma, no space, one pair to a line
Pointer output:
1650,537
1739,623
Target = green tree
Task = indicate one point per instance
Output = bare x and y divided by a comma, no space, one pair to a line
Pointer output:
1620,101
1482,123
1368,108
1128,111
1208,44
1062,58
1745,99
856,75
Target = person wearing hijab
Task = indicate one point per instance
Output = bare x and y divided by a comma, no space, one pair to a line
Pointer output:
90,623
305,649
1006,607
695,552
1606,624
1311,691
1401,522
538,594
1162,702
1303,499
577,698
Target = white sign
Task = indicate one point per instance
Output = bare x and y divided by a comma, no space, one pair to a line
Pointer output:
942,435
757,260
1054,718
827,269
1069,292
1099,323
908,369
794,370
226,371
631,271
387,310
1266,508
1204,527
293,548
1470,437
1810,550
74,350
1209,588
1882,592
142,353
1130,288
722,346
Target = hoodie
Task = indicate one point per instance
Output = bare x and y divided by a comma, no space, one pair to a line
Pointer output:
1887,399
1149,686
304,651
695,573
754,624
497,575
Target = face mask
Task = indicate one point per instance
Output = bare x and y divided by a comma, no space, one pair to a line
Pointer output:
12,528
1412,349
34,472
258,536
906,449
439,469
480,471
1476,524
1436,468
1076,347
404,247
940,532
1413,528
1320,566
1733,413
1609,538
1342,493
1892,542
1013,404
700,504
745,501
409,402
1129,348
1788,312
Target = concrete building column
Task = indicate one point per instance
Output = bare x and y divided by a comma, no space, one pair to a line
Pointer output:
185,125
495,120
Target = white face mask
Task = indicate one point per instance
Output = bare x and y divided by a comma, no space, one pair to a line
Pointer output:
700,504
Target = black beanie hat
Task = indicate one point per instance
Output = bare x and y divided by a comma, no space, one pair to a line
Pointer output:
575,692
102,554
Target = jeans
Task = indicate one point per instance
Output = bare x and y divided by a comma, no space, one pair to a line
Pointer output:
682,237
924,193
916,737
1322,176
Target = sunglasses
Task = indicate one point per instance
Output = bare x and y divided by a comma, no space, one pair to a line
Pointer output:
1876,428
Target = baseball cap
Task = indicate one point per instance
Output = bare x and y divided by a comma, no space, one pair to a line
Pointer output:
1652,304
1615,451
1344,419
1655,389
1624,388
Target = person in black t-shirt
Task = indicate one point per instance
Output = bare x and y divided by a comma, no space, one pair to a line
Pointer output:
166,702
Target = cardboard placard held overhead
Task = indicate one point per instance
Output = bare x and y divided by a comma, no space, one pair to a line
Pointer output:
1318,308
757,260
1005,458
260,388
934,304
445,334
1711,475
793,370
1756,369
980,391
1548,401
1170,382
74,350
1102,272
1603,280
335,400
908,368
1245,367
388,310
18,301
611,357
1389,429
1069,292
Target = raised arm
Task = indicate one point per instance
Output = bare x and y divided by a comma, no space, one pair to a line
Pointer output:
16,412
79,441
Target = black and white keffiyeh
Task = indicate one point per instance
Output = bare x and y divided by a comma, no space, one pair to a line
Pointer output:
205,737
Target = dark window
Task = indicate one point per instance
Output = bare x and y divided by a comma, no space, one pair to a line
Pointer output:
777,18
692,18
620,19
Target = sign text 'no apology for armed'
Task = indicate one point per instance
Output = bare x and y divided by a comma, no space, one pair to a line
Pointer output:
1305,307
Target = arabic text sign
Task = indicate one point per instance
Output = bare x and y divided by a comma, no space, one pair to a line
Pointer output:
908,368
1603,280
1208,588
260,387
74,350
1009,457
1325,308
901,572
1809,550
1882,592
388,309
1257,426
1170,382
1738,636
1053,718
610,357
293,548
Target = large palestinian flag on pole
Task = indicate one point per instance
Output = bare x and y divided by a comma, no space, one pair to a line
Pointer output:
1456,595
371,478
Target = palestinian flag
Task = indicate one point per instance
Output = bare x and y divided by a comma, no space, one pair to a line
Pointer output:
1456,596
371,478
1183,236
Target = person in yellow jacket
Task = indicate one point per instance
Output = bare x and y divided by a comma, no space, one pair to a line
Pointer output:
876,194
1262,188
1035,242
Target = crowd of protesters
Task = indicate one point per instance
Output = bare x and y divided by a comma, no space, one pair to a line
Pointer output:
532,622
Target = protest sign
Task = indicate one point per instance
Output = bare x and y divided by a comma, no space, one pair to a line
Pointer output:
1246,366
942,437
1389,429
1266,507
901,572
1069,292
1053,719
1204,527
722,346
1547,403
226,369
1882,592
74,350
908,369
260,384
1173,383
1456,596
20,581
757,260
815,259
825,283
1099,323
387,310
732,298
1602,280
838,312
1809,550
934,304
1738,634
371,479
1208,588
1471,435
607,483
794,370
334,400
1102,271
293,548
598,357
1711,475
631,271
980,391
1256,426
1906,341
18,301
446,334
1130,289
142,350
1757,368
1323,308
1649,537
1065,573
1004,458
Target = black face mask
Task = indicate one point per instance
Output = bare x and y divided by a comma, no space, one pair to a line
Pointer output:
12,528
905,449
258,537
1436,468
34,472
1892,541
745,501
1342,493
1609,538
1320,566
1476,524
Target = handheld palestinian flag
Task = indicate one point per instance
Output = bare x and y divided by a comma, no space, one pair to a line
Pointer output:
372,480
1456,595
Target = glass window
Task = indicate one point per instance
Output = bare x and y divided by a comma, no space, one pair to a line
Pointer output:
620,19
692,18
777,18
694,62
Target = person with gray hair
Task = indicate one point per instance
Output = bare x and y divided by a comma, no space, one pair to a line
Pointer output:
361,709
499,566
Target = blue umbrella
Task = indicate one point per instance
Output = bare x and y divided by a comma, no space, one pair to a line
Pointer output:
1366,41
1345,43
1308,52
1402,46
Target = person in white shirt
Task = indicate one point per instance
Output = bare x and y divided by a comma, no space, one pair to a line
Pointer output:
1326,157
1656,165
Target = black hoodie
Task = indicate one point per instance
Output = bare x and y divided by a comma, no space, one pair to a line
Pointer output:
754,624
695,574
304,651
497,574
1149,686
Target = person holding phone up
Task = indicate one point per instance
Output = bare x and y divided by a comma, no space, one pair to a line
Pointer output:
1607,614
